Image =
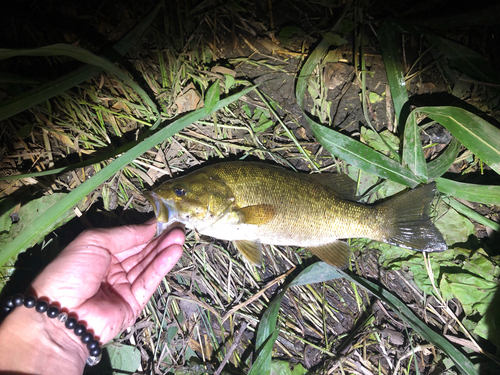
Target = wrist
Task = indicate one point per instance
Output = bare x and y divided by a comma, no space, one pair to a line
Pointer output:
31,342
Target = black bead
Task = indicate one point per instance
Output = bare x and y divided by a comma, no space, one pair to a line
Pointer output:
53,312
92,344
18,300
70,323
9,303
80,330
95,352
42,306
30,302
87,337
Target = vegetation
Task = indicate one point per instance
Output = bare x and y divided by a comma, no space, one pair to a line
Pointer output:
181,97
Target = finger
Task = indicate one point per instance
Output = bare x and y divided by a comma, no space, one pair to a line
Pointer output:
86,260
119,241
136,263
147,282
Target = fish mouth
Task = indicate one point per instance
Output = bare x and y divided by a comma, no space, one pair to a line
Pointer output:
165,211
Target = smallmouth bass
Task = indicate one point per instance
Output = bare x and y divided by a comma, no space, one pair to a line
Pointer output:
253,203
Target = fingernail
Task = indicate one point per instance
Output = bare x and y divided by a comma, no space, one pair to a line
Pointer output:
150,221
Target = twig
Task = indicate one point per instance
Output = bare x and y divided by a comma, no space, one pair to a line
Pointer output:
230,351
255,296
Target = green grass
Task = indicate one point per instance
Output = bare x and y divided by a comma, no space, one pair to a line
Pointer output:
223,288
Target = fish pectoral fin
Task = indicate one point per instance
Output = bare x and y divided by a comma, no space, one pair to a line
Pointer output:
258,214
251,250
336,253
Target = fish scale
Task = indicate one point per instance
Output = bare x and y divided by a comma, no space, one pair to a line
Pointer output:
256,203
300,202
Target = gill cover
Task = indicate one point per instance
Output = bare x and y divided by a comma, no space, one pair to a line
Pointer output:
165,211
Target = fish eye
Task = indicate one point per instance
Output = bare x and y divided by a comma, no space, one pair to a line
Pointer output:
180,192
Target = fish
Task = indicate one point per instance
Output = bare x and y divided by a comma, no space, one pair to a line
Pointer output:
255,203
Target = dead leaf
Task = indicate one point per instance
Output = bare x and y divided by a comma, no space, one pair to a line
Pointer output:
62,138
120,106
188,101
223,70
302,133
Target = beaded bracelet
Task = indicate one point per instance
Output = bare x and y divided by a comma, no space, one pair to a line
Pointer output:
53,312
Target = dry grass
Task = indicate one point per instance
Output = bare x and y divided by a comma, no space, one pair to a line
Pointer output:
206,311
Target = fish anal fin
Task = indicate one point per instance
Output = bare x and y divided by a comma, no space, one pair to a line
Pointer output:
251,250
258,214
411,226
344,186
335,253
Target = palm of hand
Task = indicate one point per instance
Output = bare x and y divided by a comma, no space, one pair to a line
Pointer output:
106,276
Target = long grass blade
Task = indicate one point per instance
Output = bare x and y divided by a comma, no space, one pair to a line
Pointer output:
478,135
58,86
487,194
413,155
470,213
460,360
312,61
362,156
440,165
319,272
394,69
82,55
267,332
34,232
344,147
465,59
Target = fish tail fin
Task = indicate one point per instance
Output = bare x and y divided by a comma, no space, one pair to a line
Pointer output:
411,227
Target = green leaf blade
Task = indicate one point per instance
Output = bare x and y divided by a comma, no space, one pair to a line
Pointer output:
267,332
487,194
66,203
413,154
393,67
478,135
465,59
362,156
440,165
64,83
460,360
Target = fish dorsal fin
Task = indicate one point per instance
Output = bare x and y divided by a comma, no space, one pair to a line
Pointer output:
251,250
336,253
258,214
341,183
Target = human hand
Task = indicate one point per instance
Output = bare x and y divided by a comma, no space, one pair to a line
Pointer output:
106,276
